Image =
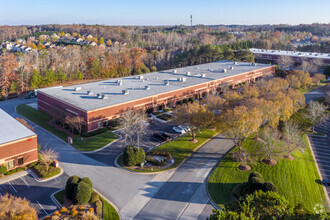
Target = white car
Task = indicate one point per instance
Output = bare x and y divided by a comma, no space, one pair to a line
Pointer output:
179,130
185,128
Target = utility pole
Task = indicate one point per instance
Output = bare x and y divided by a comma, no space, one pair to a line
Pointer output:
191,20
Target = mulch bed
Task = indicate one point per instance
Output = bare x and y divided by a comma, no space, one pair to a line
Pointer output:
244,167
270,162
289,157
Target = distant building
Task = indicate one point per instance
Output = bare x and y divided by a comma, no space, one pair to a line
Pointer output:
18,144
273,56
98,102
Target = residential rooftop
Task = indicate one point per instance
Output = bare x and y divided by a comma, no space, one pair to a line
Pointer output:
291,53
110,92
11,129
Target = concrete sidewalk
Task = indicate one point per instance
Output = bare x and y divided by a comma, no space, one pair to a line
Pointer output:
13,176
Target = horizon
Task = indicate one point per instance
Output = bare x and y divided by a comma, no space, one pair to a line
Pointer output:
149,13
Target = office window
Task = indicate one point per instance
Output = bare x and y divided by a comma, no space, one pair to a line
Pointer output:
10,164
20,161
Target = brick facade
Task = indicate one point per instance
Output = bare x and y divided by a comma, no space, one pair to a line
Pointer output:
94,119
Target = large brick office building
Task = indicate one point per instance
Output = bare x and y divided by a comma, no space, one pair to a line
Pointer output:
101,101
261,55
18,144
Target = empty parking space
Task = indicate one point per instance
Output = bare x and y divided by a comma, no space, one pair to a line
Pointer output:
321,149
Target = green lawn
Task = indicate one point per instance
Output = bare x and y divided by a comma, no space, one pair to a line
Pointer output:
297,180
322,83
109,212
81,143
59,196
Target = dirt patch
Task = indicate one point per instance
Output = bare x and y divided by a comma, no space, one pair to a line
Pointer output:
193,141
270,162
244,167
289,157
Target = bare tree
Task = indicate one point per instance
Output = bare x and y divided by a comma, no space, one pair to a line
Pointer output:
12,207
224,86
132,123
308,67
316,113
293,138
318,63
285,62
47,157
269,139
75,122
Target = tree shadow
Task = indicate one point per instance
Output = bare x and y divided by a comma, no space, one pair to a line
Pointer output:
318,182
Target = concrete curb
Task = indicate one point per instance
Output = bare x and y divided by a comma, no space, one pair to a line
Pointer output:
44,180
111,203
13,177
57,203
318,170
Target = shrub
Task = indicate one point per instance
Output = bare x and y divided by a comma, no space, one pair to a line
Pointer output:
71,183
269,186
39,147
87,181
155,162
255,174
95,197
162,153
93,133
3,169
91,210
98,206
14,171
82,193
63,209
74,212
133,156
57,213
32,164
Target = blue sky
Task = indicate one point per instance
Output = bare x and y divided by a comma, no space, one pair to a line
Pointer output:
165,12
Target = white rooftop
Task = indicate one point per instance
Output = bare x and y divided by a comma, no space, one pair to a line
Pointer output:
11,129
121,90
291,53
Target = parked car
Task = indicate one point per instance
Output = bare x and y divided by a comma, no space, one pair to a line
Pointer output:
179,130
186,128
326,182
161,136
32,94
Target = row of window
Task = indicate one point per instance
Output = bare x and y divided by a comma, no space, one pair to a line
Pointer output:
11,164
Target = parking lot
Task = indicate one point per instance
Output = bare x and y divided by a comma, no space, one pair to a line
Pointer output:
38,193
147,141
321,149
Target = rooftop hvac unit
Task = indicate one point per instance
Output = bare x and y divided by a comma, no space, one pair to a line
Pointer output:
211,70
224,70
188,73
175,71
141,77
167,83
120,82
253,64
105,97
147,87
231,67
235,63
89,92
203,75
77,89
99,96
182,79
125,92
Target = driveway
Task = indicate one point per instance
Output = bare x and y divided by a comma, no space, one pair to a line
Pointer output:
316,93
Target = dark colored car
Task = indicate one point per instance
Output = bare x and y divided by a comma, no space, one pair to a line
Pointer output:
161,136
326,182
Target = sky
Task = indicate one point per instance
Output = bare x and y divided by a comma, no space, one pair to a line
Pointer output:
163,12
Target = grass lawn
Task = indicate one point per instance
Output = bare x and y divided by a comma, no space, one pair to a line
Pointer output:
83,144
179,148
109,212
298,180
59,196
322,83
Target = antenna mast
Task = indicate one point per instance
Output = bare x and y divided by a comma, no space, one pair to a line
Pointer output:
191,20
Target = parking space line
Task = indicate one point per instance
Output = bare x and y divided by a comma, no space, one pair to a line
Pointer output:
321,149
319,142
322,165
12,186
42,207
24,180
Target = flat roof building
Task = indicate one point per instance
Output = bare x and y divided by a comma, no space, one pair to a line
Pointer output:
100,101
274,55
18,144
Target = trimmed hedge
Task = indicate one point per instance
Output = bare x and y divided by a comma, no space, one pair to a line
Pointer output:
70,186
87,181
3,170
41,170
82,193
133,156
15,171
95,197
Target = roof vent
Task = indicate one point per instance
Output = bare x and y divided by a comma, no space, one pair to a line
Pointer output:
203,75
105,97
99,96
224,70
231,67
175,71
89,92
182,79
120,82
235,63
167,83
188,73
147,87
211,70
125,92
77,89
141,77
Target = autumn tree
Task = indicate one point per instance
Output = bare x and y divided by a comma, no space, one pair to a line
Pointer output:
239,123
213,103
47,157
109,43
8,64
24,122
317,77
316,113
12,207
194,116
232,97
101,40
269,139
293,138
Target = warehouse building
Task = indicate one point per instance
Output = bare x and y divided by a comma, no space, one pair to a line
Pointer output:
101,101
273,56
18,144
